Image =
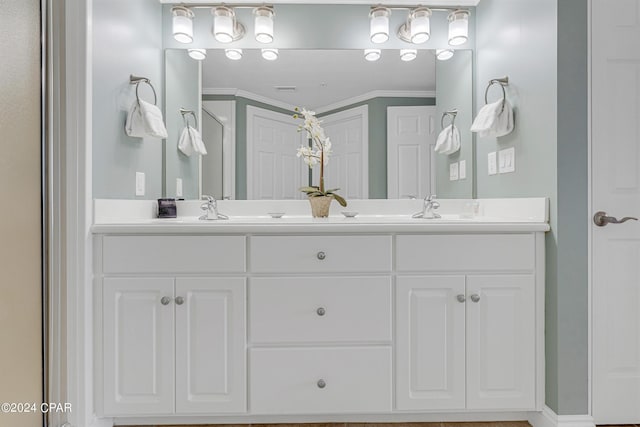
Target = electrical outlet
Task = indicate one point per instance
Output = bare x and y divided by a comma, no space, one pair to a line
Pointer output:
491,166
507,160
140,184
462,169
178,187
453,171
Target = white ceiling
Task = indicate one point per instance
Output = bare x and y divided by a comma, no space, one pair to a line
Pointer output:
321,77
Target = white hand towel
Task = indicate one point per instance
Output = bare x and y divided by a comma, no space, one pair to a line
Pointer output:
493,120
196,141
153,122
448,141
134,125
190,142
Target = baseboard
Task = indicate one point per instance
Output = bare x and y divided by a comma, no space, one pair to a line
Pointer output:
548,418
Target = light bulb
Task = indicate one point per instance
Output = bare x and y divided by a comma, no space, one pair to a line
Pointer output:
270,54
198,54
263,24
444,54
372,54
223,24
182,20
419,21
234,54
408,54
379,24
458,27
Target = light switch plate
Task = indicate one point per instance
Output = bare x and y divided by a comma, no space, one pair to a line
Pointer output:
492,167
462,169
178,187
140,184
453,171
507,160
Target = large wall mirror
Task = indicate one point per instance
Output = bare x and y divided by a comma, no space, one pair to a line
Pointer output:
383,118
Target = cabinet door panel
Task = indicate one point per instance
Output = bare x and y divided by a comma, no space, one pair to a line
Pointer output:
430,346
210,345
138,346
501,368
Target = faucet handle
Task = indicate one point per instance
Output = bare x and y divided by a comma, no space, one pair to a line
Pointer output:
430,198
209,199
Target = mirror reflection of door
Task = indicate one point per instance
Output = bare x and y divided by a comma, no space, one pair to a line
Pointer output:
212,166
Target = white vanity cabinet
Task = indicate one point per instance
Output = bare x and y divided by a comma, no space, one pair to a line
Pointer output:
466,334
171,343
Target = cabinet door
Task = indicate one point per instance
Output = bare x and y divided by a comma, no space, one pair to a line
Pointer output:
501,368
138,346
430,346
210,345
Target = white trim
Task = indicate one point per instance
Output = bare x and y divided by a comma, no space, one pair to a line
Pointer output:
323,109
588,213
444,3
548,418
199,112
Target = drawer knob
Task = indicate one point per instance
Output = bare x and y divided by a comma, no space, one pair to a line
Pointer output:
475,297
321,311
165,300
322,383
321,255
179,300
461,298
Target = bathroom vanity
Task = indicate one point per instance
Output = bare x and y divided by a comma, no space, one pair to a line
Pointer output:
256,319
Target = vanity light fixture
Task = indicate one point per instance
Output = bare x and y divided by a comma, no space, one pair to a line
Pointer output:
234,54
379,24
225,27
458,27
270,54
444,54
408,54
182,20
372,54
263,24
197,54
420,25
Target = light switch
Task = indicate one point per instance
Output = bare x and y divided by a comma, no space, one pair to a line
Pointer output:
453,171
178,187
140,184
462,169
492,167
507,160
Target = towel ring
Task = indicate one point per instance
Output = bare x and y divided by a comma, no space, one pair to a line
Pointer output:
502,82
453,114
185,119
135,80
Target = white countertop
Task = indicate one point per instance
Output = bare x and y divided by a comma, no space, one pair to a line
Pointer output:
376,216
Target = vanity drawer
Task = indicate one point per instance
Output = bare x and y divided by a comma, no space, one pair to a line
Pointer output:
320,380
311,309
313,254
173,254
465,252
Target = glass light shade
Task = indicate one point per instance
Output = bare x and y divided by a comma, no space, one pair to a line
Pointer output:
458,27
223,24
372,54
408,54
234,54
263,28
444,54
379,24
270,54
420,23
198,54
182,24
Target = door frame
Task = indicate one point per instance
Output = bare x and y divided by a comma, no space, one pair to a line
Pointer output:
588,213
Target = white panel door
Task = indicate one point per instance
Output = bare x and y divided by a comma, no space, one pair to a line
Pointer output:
501,368
138,346
210,345
348,167
411,136
615,254
273,170
430,343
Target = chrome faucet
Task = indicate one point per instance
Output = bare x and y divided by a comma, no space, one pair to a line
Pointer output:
210,208
428,208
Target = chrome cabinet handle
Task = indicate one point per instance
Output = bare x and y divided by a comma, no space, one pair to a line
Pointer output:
461,298
601,219
179,300
165,300
321,255
321,311
475,297
321,383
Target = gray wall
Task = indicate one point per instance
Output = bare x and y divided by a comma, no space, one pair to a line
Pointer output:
182,90
454,89
127,39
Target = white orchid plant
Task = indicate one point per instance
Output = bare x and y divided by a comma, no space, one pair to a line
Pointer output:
317,153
